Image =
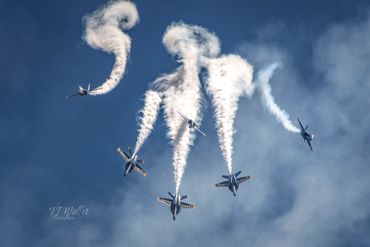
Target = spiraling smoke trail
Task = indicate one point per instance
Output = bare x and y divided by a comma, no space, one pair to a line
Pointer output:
148,117
262,82
104,31
190,44
229,77
181,89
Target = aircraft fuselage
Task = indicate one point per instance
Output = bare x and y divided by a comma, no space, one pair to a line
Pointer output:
233,184
191,124
175,207
130,165
306,136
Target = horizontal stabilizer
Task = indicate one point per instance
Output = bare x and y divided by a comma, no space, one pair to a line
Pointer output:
225,176
184,197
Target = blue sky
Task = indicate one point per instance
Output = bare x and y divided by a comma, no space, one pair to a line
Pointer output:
62,152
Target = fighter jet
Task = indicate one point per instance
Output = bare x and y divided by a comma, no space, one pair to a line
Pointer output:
175,203
131,162
81,91
192,124
232,182
305,135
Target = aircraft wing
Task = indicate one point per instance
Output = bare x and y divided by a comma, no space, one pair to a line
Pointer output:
140,170
197,129
309,144
243,179
73,95
300,124
222,184
123,154
187,119
186,205
165,201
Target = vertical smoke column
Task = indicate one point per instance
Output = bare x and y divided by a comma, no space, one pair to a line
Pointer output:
148,116
263,78
229,77
183,92
104,31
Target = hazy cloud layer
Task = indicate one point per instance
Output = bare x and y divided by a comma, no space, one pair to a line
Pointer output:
295,198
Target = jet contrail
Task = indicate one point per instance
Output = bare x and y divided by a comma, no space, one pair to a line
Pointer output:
180,90
262,83
229,77
189,43
148,116
104,31
184,95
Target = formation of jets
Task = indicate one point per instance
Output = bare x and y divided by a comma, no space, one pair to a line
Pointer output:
175,203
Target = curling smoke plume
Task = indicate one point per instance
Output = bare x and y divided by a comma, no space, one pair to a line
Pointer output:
104,31
181,90
229,77
190,44
263,78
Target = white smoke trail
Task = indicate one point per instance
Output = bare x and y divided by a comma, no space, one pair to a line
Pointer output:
184,96
180,90
229,77
148,117
189,43
263,78
104,31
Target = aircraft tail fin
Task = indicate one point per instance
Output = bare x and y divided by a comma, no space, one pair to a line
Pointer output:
184,197
172,195
225,176
238,173
88,87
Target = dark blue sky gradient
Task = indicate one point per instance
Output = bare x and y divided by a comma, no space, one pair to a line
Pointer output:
62,151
